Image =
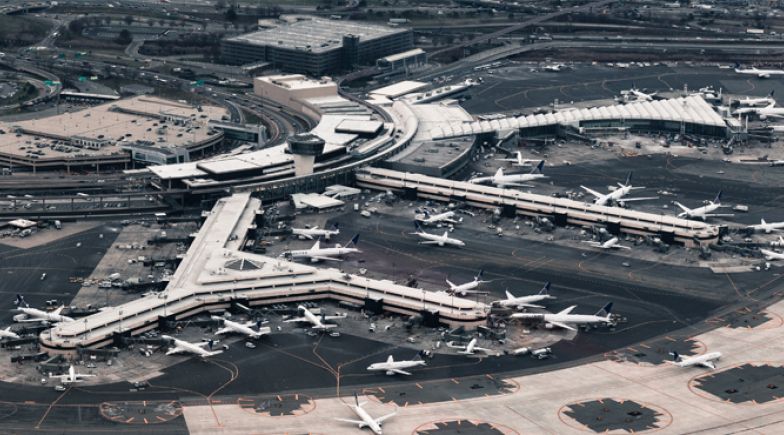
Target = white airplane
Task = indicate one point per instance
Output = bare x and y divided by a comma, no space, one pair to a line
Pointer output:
36,315
778,243
316,321
769,111
7,333
392,367
315,232
563,319
468,287
706,360
432,239
230,326
771,255
557,67
514,180
366,420
618,195
521,302
760,73
635,94
427,218
71,377
758,100
469,349
316,253
613,243
198,349
518,160
767,227
703,212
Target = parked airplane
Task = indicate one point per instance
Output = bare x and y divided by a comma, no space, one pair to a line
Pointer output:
71,377
469,349
613,243
315,320
617,195
758,100
556,67
706,360
703,212
760,73
468,287
392,367
315,232
317,253
518,160
514,180
521,302
563,319
432,239
767,227
36,315
635,94
771,255
198,349
230,326
7,333
366,421
769,111
446,217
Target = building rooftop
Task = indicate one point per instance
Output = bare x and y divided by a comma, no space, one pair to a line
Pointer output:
399,89
315,35
403,55
297,81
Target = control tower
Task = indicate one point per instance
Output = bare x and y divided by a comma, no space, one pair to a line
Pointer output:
305,147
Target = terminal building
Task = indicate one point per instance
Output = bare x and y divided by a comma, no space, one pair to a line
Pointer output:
316,46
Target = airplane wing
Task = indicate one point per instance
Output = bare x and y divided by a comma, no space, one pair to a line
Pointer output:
592,192
429,242
682,207
223,331
567,310
708,364
482,349
524,305
296,319
324,257
505,185
34,319
175,351
563,325
592,243
381,419
307,236
398,371
720,215
335,317
621,247
359,423
642,198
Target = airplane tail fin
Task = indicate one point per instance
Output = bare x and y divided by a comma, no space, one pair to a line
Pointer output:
770,95
499,172
737,65
675,356
539,168
354,240
546,289
210,344
717,200
335,226
628,179
417,227
605,311
479,275
20,301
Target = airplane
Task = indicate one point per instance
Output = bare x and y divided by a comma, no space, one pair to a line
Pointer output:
181,346
242,328
316,253
432,239
71,377
468,287
36,315
366,421
778,243
563,319
316,321
7,333
769,111
521,302
518,160
558,67
617,195
760,73
703,212
771,255
767,227
514,180
392,367
427,218
758,100
638,95
310,233
610,244
469,349
706,360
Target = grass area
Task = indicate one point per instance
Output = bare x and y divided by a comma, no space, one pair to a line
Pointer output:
18,31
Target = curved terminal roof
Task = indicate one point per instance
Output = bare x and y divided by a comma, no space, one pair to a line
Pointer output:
692,109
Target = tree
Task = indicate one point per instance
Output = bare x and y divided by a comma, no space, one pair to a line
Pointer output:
231,14
128,19
124,37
